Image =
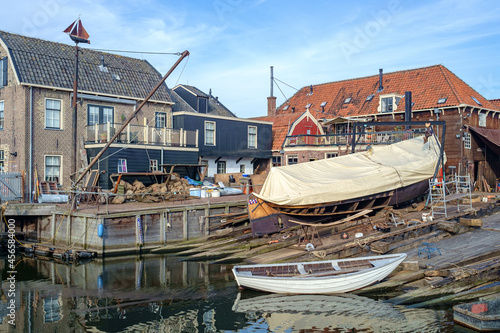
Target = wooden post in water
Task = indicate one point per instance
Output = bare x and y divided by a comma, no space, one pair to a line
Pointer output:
185,224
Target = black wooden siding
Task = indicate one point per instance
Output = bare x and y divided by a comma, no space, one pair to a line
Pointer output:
137,161
231,136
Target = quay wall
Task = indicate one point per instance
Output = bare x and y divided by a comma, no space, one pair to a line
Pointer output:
132,231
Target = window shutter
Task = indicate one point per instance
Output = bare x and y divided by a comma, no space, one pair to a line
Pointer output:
3,72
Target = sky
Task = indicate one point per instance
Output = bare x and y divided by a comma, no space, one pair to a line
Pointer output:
233,43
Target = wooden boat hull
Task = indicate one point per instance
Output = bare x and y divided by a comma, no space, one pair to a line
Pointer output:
323,277
267,218
481,316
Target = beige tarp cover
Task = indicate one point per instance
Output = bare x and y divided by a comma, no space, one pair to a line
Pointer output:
380,169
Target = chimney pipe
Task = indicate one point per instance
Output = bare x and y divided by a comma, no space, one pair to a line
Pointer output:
272,79
380,86
408,107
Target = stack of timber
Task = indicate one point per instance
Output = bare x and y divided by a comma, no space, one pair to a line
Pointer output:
176,188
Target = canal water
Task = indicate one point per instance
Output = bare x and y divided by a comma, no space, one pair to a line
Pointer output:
159,293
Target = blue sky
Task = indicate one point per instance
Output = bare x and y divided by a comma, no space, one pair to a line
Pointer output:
233,43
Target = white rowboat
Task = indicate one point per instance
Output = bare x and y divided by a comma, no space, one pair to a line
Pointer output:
317,277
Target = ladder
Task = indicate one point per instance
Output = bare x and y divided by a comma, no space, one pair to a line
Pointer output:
442,193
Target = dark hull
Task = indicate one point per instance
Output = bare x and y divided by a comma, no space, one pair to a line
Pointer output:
267,219
481,316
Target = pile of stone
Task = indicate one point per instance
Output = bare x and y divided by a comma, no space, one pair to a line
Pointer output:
177,188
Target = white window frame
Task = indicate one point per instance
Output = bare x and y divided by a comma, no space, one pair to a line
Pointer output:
46,169
2,161
160,119
153,165
221,166
60,114
103,115
467,140
331,155
275,162
252,137
2,114
395,98
210,133
482,120
122,165
289,157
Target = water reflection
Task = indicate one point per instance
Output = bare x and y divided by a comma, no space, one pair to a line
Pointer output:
336,313
164,294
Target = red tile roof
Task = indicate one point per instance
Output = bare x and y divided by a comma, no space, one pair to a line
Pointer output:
496,103
427,84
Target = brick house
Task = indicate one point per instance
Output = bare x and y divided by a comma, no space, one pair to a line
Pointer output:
36,128
436,94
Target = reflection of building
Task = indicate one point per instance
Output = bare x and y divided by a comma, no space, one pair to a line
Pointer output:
436,94
159,293
52,309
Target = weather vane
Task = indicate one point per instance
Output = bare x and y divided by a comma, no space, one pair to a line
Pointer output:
77,32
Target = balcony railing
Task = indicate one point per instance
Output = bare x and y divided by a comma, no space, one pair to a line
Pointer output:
137,134
382,137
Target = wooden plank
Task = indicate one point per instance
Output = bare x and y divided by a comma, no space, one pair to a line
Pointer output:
350,218
117,182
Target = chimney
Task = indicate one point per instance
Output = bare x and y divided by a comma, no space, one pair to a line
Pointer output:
380,86
271,106
271,100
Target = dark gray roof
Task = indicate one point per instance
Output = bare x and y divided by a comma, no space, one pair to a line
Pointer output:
217,108
214,106
195,91
180,104
46,63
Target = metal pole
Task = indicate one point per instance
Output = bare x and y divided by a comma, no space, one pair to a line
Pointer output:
272,78
75,116
129,119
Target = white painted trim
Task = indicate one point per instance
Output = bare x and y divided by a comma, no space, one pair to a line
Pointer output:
304,115
135,146
61,167
205,133
256,137
61,119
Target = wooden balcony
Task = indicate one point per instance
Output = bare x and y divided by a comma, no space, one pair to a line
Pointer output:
136,134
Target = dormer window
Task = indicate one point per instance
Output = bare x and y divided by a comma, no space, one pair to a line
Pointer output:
389,102
202,105
475,100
